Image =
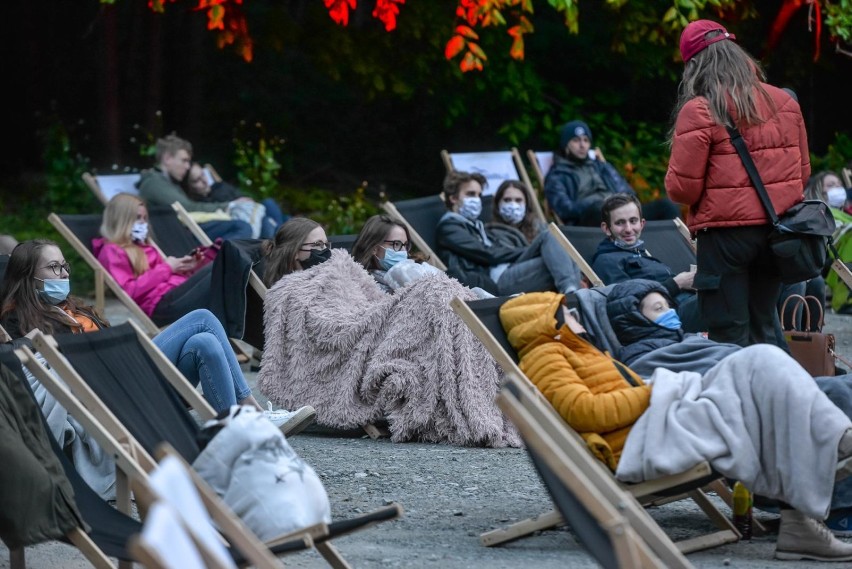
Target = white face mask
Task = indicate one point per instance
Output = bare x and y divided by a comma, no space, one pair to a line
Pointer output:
471,208
139,231
836,197
512,212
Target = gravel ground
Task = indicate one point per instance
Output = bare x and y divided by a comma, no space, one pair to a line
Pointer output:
450,496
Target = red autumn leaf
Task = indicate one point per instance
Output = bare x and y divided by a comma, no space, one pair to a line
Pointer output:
476,51
386,11
517,50
467,32
339,10
468,63
454,47
216,18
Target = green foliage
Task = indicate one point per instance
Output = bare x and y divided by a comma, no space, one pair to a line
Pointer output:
339,215
836,157
255,158
145,140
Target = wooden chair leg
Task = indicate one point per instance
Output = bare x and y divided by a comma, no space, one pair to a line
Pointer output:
332,556
374,431
520,529
17,558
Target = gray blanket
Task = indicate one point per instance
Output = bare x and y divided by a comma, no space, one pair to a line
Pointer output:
94,466
335,341
757,417
694,353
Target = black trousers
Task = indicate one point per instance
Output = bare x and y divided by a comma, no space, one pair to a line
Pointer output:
738,286
191,295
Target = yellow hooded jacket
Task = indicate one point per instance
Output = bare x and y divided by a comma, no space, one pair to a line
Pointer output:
597,396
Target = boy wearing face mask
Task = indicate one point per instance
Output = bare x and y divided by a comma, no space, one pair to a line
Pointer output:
499,262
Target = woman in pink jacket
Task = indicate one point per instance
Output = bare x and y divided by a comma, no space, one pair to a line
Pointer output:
165,288
737,283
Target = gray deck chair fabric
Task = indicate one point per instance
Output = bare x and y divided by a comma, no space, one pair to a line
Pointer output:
343,241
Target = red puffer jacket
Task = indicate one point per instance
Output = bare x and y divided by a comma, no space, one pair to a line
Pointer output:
706,173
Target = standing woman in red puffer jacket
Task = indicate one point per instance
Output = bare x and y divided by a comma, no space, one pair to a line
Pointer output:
737,283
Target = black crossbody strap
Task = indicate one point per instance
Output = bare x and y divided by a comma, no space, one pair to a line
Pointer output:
739,143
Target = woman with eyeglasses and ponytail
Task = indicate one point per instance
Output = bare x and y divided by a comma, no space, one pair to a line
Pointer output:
383,247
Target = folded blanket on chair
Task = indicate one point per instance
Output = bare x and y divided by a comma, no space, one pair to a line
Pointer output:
335,341
757,417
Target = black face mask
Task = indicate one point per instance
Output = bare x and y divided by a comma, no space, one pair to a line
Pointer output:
316,258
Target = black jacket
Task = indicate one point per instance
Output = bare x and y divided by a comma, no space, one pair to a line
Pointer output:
634,331
614,265
469,259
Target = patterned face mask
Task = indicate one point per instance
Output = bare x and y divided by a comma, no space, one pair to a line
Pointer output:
470,208
512,212
139,231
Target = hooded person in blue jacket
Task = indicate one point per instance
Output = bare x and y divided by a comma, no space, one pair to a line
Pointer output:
621,256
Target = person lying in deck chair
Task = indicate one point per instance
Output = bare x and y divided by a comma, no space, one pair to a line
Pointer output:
756,416
35,294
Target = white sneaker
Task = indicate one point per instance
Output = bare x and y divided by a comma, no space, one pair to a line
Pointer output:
290,422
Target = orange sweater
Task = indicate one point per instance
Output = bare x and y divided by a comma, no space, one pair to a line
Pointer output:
582,383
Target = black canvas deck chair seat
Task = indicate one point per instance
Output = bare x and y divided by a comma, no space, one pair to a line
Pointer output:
663,239
483,319
421,216
343,241
122,371
608,521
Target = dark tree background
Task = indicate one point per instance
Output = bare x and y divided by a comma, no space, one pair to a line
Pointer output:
355,103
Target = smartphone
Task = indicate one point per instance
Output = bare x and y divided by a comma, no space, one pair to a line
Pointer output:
592,155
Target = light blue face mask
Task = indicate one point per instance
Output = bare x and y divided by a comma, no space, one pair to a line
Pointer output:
669,319
470,208
392,258
55,290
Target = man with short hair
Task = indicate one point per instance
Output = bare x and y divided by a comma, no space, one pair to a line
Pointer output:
161,186
581,179
622,256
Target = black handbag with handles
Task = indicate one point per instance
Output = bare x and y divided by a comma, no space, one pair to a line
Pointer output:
801,236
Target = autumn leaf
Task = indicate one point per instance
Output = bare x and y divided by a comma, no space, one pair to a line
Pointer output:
386,11
468,63
467,32
477,51
517,49
339,10
454,47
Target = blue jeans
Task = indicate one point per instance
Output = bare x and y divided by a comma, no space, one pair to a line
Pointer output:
197,345
545,265
273,220
227,230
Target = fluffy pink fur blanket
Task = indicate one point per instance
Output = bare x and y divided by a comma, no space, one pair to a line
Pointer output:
337,342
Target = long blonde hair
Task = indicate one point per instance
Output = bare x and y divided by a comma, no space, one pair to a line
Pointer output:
724,74
119,217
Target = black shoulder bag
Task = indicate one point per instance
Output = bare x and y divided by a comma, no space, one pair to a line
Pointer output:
801,236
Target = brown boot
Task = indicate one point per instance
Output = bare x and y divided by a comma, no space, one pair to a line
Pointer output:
801,537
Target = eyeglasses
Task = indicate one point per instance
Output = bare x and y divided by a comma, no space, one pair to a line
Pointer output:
399,245
57,268
317,246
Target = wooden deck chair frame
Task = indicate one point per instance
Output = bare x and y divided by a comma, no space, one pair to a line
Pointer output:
418,239
648,493
132,462
78,393
846,174
521,171
535,165
637,540
91,181
102,277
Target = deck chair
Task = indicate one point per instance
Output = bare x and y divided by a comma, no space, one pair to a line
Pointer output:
140,400
663,239
611,524
343,241
540,164
105,186
421,216
16,394
846,173
482,317
497,167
